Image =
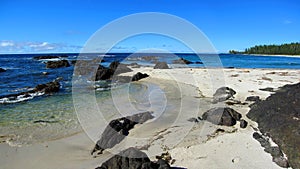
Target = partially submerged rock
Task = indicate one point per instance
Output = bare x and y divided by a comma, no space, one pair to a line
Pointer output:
222,116
2,70
57,64
181,61
115,68
49,57
118,129
40,89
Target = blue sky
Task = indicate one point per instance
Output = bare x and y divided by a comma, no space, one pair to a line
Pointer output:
65,26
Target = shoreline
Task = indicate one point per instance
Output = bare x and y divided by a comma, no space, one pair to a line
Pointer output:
291,56
73,151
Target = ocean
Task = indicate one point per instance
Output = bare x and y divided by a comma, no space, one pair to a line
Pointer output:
42,118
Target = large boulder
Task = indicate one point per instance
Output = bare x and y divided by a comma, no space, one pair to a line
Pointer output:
118,129
223,94
133,158
161,65
57,64
222,116
278,116
138,76
2,70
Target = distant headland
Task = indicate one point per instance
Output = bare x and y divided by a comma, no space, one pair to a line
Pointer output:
283,49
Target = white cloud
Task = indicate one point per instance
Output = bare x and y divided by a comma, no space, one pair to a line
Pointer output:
287,22
36,47
6,43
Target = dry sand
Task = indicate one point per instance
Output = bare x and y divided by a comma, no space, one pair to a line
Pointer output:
192,145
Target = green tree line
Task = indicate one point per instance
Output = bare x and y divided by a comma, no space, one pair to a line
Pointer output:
284,49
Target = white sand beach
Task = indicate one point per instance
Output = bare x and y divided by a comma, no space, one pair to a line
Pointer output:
192,145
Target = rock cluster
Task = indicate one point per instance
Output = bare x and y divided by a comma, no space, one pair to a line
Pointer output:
49,57
278,117
47,88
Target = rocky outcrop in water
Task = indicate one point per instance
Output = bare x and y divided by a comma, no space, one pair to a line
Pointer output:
133,158
46,57
57,64
2,70
222,116
181,61
161,65
115,68
223,94
279,117
47,88
118,129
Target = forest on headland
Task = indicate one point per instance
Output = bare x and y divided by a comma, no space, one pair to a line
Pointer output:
283,49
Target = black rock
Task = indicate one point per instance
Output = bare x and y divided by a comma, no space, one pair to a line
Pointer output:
130,158
133,158
118,68
222,116
274,151
57,64
198,62
114,69
103,73
263,141
118,129
253,98
45,57
243,123
48,88
139,76
134,65
222,94
2,70
281,161
194,120
181,61
268,89
277,116
161,65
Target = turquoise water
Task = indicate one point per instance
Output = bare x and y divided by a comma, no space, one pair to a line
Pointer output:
53,117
